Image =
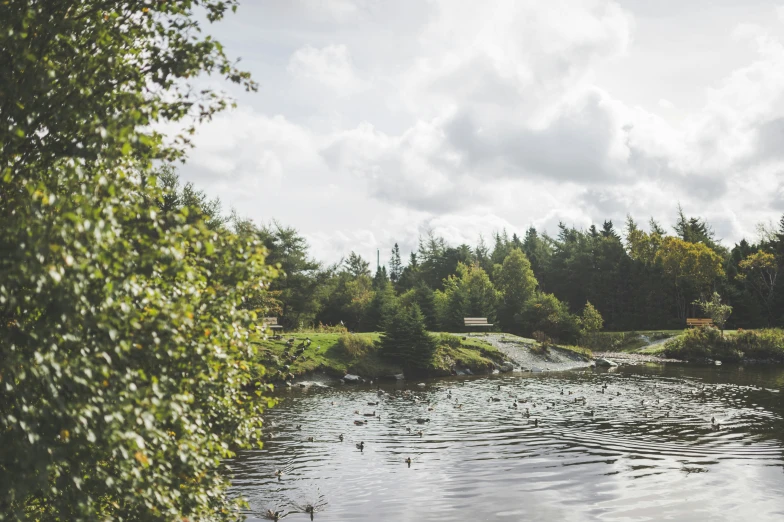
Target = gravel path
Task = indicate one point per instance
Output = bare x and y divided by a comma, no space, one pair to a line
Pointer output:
632,358
518,351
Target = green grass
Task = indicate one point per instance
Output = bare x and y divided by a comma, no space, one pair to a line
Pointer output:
631,341
326,354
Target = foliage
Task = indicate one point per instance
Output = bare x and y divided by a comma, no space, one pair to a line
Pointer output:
124,321
380,307
355,345
300,278
356,266
395,265
700,343
516,283
467,293
406,341
591,320
87,79
760,270
716,310
134,340
545,313
691,268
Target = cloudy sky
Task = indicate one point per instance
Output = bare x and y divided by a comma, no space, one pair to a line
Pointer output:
378,120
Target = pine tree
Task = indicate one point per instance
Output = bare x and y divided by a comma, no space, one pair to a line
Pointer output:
406,341
395,265
425,300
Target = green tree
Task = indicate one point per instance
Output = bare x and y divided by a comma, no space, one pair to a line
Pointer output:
356,265
760,270
468,293
716,310
380,307
591,320
126,367
545,313
690,267
395,265
516,284
300,277
405,340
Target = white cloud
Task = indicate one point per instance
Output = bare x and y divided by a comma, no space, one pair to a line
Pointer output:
330,66
491,115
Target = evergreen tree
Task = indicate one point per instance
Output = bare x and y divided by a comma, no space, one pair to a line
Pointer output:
425,300
395,265
356,265
410,276
380,307
405,339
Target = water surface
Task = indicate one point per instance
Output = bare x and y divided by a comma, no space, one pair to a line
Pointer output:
667,442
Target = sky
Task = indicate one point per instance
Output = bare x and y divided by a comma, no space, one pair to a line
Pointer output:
378,121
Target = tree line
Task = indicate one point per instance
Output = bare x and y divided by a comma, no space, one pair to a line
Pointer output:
636,278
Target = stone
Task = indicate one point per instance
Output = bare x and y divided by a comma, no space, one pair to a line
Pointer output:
607,363
352,379
506,367
399,376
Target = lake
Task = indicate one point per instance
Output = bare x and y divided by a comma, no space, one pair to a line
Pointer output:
651,442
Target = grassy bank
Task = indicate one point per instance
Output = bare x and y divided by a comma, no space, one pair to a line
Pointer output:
632,341
340,353
734,346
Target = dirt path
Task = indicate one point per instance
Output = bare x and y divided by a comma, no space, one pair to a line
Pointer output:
518,351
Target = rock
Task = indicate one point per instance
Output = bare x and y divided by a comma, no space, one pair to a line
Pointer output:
468,371
607,363
421,385
496,372
460,372
400,376
351,379
506,367
717,363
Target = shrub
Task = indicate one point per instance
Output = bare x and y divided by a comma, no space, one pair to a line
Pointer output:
354,345
700,343
761,344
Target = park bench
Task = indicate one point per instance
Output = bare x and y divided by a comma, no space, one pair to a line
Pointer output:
693,322
271,323
476,321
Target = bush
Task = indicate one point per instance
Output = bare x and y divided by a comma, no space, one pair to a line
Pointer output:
354,345
761,344
699,343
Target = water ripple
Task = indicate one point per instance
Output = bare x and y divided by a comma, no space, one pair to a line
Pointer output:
642,444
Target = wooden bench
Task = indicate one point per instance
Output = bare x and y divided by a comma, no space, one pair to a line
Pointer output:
694,322
476,321
271,323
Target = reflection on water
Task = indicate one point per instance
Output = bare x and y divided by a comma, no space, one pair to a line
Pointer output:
674,442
